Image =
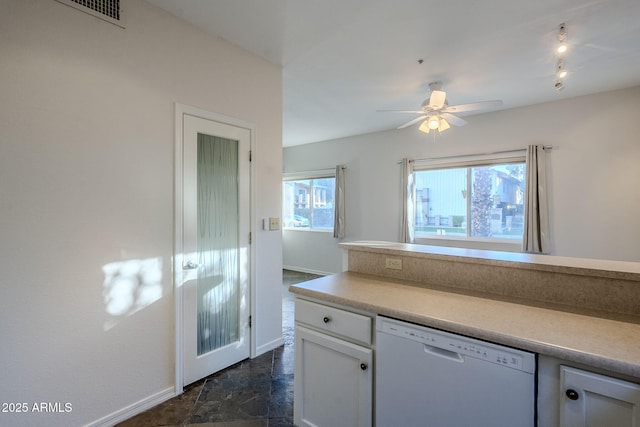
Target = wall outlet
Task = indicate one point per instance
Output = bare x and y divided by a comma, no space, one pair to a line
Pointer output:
393,263
274,223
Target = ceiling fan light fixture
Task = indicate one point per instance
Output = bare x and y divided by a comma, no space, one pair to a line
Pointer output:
424,126
436,113
433,122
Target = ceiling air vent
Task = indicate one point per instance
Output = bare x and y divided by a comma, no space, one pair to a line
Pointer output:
109,10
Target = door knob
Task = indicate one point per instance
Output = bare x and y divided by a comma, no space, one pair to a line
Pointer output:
572,394
190,265
363,366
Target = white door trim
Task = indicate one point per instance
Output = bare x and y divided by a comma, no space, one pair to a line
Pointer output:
180,111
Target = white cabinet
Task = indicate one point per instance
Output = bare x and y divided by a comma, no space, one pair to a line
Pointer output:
593,400
333,380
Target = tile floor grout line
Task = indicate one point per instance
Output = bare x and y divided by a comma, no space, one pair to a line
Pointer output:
192,410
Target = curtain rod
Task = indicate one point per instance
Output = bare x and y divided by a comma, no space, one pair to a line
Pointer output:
315,170
457,156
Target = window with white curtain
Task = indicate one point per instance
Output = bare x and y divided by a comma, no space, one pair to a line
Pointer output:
479,199
308,201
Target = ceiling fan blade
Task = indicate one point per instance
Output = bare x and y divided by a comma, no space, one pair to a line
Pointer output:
401,111
473,106
409,123
436,101
456,121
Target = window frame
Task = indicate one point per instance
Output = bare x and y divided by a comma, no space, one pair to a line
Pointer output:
303,176
468,162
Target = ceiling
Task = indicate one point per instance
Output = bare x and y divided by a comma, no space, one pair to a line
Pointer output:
344,59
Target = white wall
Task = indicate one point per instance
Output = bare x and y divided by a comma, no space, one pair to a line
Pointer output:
86,184
593,173
299,249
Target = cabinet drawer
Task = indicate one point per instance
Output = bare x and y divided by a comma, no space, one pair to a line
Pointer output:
334,320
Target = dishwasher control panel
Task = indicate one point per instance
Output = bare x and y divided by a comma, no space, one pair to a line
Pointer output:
457,344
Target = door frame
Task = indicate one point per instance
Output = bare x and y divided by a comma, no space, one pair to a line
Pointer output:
176,264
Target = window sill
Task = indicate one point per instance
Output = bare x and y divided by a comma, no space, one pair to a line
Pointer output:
505,245
310,230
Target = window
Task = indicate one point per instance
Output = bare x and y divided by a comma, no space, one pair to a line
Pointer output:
308,203
475,201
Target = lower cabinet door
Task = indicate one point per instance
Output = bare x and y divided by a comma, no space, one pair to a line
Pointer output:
593,400
332,381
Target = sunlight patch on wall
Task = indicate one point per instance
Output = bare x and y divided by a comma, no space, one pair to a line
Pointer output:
130,286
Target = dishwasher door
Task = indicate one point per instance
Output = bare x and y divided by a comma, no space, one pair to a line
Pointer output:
426,377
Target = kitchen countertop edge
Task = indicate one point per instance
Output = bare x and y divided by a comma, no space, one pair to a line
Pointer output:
534,329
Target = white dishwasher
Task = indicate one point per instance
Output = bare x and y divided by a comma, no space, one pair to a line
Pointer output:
426,377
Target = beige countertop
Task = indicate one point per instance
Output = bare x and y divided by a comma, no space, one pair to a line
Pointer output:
608,343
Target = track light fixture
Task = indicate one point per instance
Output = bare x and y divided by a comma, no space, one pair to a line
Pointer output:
561,49
561,72
562,39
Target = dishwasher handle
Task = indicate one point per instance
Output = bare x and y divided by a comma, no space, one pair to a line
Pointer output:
445,354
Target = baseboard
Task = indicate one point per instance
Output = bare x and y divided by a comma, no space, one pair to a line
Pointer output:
269,346
306,270
135,408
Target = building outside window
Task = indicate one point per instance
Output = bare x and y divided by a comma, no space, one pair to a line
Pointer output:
308,203
483,201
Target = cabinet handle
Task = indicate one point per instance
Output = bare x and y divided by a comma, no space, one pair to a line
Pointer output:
326,319
363,366
572,394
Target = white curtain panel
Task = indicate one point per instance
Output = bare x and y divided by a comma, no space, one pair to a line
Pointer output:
338,208
536,217
408,202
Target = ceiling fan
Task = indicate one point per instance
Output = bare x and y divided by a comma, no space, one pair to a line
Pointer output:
436,113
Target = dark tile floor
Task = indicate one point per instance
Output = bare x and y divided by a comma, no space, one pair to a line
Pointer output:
255,392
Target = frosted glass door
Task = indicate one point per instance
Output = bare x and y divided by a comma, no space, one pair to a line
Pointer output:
215,260
218,258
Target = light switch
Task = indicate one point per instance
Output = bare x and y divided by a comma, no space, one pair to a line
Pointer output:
274,223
